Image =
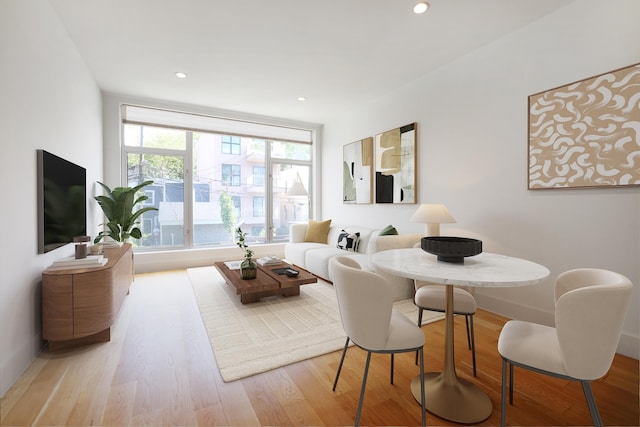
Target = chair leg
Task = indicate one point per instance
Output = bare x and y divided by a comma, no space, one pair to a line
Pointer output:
344,352
364,384
466,321
473,344
591,403
392,360
422,400
503,410
420,309
510,383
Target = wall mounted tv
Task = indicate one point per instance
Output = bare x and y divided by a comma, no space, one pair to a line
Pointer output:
62,201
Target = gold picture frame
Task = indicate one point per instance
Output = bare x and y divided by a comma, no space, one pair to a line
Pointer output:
586,134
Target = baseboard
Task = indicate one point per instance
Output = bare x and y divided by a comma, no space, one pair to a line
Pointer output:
628,344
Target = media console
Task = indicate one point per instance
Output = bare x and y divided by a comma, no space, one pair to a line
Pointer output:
80,305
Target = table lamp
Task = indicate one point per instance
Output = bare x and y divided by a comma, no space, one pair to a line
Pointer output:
432,216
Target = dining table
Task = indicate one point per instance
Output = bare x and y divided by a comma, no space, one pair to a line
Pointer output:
447,395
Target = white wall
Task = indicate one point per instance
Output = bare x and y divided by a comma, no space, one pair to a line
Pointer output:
472,156
49,101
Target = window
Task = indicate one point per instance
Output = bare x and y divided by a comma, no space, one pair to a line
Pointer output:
258,206
231,175
198,186
258,175
230,144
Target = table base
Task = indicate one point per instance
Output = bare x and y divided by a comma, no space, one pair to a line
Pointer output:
459,401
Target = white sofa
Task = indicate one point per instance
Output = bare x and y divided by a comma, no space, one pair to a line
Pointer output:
315,257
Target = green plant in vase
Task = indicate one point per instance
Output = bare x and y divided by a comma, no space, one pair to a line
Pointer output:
248,267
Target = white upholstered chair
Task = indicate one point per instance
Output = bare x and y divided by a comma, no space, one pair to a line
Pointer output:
433,297
590,307
365,301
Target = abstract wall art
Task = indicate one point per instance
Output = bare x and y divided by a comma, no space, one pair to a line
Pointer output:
587,134
395,154
357,168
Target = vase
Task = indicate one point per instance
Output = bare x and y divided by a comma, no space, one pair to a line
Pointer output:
248,269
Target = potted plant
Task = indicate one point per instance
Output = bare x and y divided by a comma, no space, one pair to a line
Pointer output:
118,206
248,267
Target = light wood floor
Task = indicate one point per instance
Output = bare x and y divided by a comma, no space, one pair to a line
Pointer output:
159,370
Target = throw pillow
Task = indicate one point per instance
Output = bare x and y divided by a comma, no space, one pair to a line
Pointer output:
348,241
317,231
389,230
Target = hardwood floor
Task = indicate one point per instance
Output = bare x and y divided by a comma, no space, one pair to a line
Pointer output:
159,369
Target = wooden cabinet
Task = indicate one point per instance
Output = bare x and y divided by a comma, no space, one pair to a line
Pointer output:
80,305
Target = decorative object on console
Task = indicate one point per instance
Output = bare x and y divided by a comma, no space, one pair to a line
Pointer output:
451,249
317,231
248,267
432,215
395,154
348,241
582,135
357,167
82,250
119,206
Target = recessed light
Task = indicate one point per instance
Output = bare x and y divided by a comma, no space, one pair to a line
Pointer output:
421,7
302,98
181,75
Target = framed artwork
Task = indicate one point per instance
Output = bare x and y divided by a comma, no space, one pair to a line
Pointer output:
587,134
357,169
395,154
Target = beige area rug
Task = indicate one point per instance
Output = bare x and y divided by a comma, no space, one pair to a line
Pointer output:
248,339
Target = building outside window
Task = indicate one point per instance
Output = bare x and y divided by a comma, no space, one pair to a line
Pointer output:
199,189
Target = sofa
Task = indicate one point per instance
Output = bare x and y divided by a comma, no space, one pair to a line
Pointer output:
314,256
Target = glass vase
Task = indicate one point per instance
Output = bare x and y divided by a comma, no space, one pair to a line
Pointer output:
248,269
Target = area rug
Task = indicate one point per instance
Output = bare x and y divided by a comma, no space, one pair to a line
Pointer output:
248,339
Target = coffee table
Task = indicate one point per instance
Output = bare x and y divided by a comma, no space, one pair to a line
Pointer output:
267,282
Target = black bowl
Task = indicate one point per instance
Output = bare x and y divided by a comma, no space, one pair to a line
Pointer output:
451,249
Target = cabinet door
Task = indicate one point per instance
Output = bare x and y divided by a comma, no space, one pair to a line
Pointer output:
92,302
57,307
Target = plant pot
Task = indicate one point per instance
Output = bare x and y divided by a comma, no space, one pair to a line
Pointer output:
248,269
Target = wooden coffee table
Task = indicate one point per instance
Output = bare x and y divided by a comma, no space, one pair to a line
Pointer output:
267,283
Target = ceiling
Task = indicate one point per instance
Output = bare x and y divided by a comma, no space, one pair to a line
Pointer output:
259,56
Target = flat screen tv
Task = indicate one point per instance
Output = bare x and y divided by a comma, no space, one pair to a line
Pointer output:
62,205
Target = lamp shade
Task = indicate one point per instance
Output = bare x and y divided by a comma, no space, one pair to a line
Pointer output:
432,215
297,189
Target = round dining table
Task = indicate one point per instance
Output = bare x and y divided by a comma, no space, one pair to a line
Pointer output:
447,395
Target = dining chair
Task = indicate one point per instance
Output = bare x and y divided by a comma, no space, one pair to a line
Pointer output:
433,297
590,307
365,302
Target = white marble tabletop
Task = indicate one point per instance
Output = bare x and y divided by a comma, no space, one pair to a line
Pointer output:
483,270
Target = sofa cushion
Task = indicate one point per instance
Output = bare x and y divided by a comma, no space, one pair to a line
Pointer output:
389,230
317,231
317,260
295,253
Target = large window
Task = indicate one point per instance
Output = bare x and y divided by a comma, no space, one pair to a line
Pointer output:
207,182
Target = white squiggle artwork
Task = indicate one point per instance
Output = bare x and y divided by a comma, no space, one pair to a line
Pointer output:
587,134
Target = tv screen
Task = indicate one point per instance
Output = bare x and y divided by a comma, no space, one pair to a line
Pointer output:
62,206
